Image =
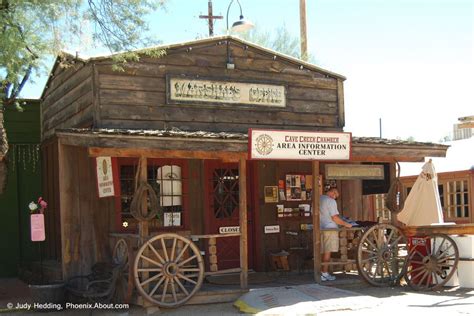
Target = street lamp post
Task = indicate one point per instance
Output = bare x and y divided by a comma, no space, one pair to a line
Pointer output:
239,26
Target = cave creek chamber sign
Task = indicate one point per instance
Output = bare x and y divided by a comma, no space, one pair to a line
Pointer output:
105,179
189,90
299,145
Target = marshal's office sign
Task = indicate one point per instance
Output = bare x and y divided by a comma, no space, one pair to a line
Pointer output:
299,145
190,90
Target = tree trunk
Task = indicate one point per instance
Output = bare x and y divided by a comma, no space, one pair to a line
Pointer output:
3,153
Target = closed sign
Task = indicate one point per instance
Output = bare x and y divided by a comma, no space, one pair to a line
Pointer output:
272,229
229,230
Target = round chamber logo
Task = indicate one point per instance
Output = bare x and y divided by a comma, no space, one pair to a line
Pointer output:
264,144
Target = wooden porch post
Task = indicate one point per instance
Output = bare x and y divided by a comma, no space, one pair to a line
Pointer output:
143,177
243,223
316,229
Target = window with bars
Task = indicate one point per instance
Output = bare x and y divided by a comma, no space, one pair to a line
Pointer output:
167,180
456,199
225,184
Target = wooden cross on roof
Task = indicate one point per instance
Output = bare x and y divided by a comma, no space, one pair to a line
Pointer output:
210,18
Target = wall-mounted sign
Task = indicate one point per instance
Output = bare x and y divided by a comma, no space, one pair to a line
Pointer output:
299,145
229,229
271,194
105,179
37,227
347,172
190,90
171,219
272,229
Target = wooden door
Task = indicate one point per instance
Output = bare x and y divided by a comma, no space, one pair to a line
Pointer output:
222,211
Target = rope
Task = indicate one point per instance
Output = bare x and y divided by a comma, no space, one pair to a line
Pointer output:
396,195
136,207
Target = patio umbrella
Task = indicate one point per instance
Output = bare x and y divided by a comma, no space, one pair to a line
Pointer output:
422,205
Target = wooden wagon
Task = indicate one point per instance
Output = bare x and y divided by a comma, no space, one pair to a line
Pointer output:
167,269
425,256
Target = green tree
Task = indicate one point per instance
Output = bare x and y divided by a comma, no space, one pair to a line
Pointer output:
281,41
32,30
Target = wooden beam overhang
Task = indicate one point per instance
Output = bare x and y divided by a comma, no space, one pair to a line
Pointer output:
157,147
229,149
391,153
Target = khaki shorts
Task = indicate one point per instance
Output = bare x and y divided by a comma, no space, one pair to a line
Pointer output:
330,241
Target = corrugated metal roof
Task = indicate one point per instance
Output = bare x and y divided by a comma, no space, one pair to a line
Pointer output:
175,132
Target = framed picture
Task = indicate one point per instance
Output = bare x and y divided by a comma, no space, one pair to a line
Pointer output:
271,194
295,187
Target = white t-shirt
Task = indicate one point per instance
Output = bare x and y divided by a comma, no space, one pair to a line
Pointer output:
327,209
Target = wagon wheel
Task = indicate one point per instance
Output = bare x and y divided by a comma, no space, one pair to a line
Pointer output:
381,255
168,270
432,270
120,257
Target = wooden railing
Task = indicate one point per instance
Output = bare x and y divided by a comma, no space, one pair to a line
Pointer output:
212,251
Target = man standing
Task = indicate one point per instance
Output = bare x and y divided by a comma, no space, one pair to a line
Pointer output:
329,219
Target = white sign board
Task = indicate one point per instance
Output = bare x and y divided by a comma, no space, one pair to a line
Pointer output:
105,179
190,90
299,145
272,229
172,219
229,230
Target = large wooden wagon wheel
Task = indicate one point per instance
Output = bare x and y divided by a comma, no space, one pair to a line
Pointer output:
431,264
168,270
120,257
381,255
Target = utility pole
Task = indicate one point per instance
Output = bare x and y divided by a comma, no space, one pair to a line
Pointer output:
210,18
303,36
380,127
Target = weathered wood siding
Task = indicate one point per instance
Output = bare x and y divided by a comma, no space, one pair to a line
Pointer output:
68,99
86,220
136,98
49,164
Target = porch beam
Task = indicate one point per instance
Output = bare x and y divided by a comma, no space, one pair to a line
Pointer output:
316,220
243,223
175,154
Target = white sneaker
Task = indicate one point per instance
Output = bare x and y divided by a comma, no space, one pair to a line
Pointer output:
327,277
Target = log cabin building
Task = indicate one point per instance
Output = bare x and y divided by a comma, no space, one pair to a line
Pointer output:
181,122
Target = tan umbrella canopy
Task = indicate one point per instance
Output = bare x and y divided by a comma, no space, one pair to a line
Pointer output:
423,205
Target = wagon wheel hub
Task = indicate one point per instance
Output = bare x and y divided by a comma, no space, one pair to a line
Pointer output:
171,269
386,255
431,263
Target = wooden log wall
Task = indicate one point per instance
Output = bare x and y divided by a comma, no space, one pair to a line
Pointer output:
86,220
68,99
136,98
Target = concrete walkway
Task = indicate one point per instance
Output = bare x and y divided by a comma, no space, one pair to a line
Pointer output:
358,298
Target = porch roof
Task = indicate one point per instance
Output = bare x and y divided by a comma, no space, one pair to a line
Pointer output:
175,143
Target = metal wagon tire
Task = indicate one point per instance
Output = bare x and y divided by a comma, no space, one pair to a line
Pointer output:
381,255
168,270
432,270
120,257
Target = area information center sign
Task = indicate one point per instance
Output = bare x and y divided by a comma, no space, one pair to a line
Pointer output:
299,145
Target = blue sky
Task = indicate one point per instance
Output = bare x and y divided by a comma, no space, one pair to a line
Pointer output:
408,62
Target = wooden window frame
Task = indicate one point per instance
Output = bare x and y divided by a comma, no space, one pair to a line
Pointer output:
183,163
